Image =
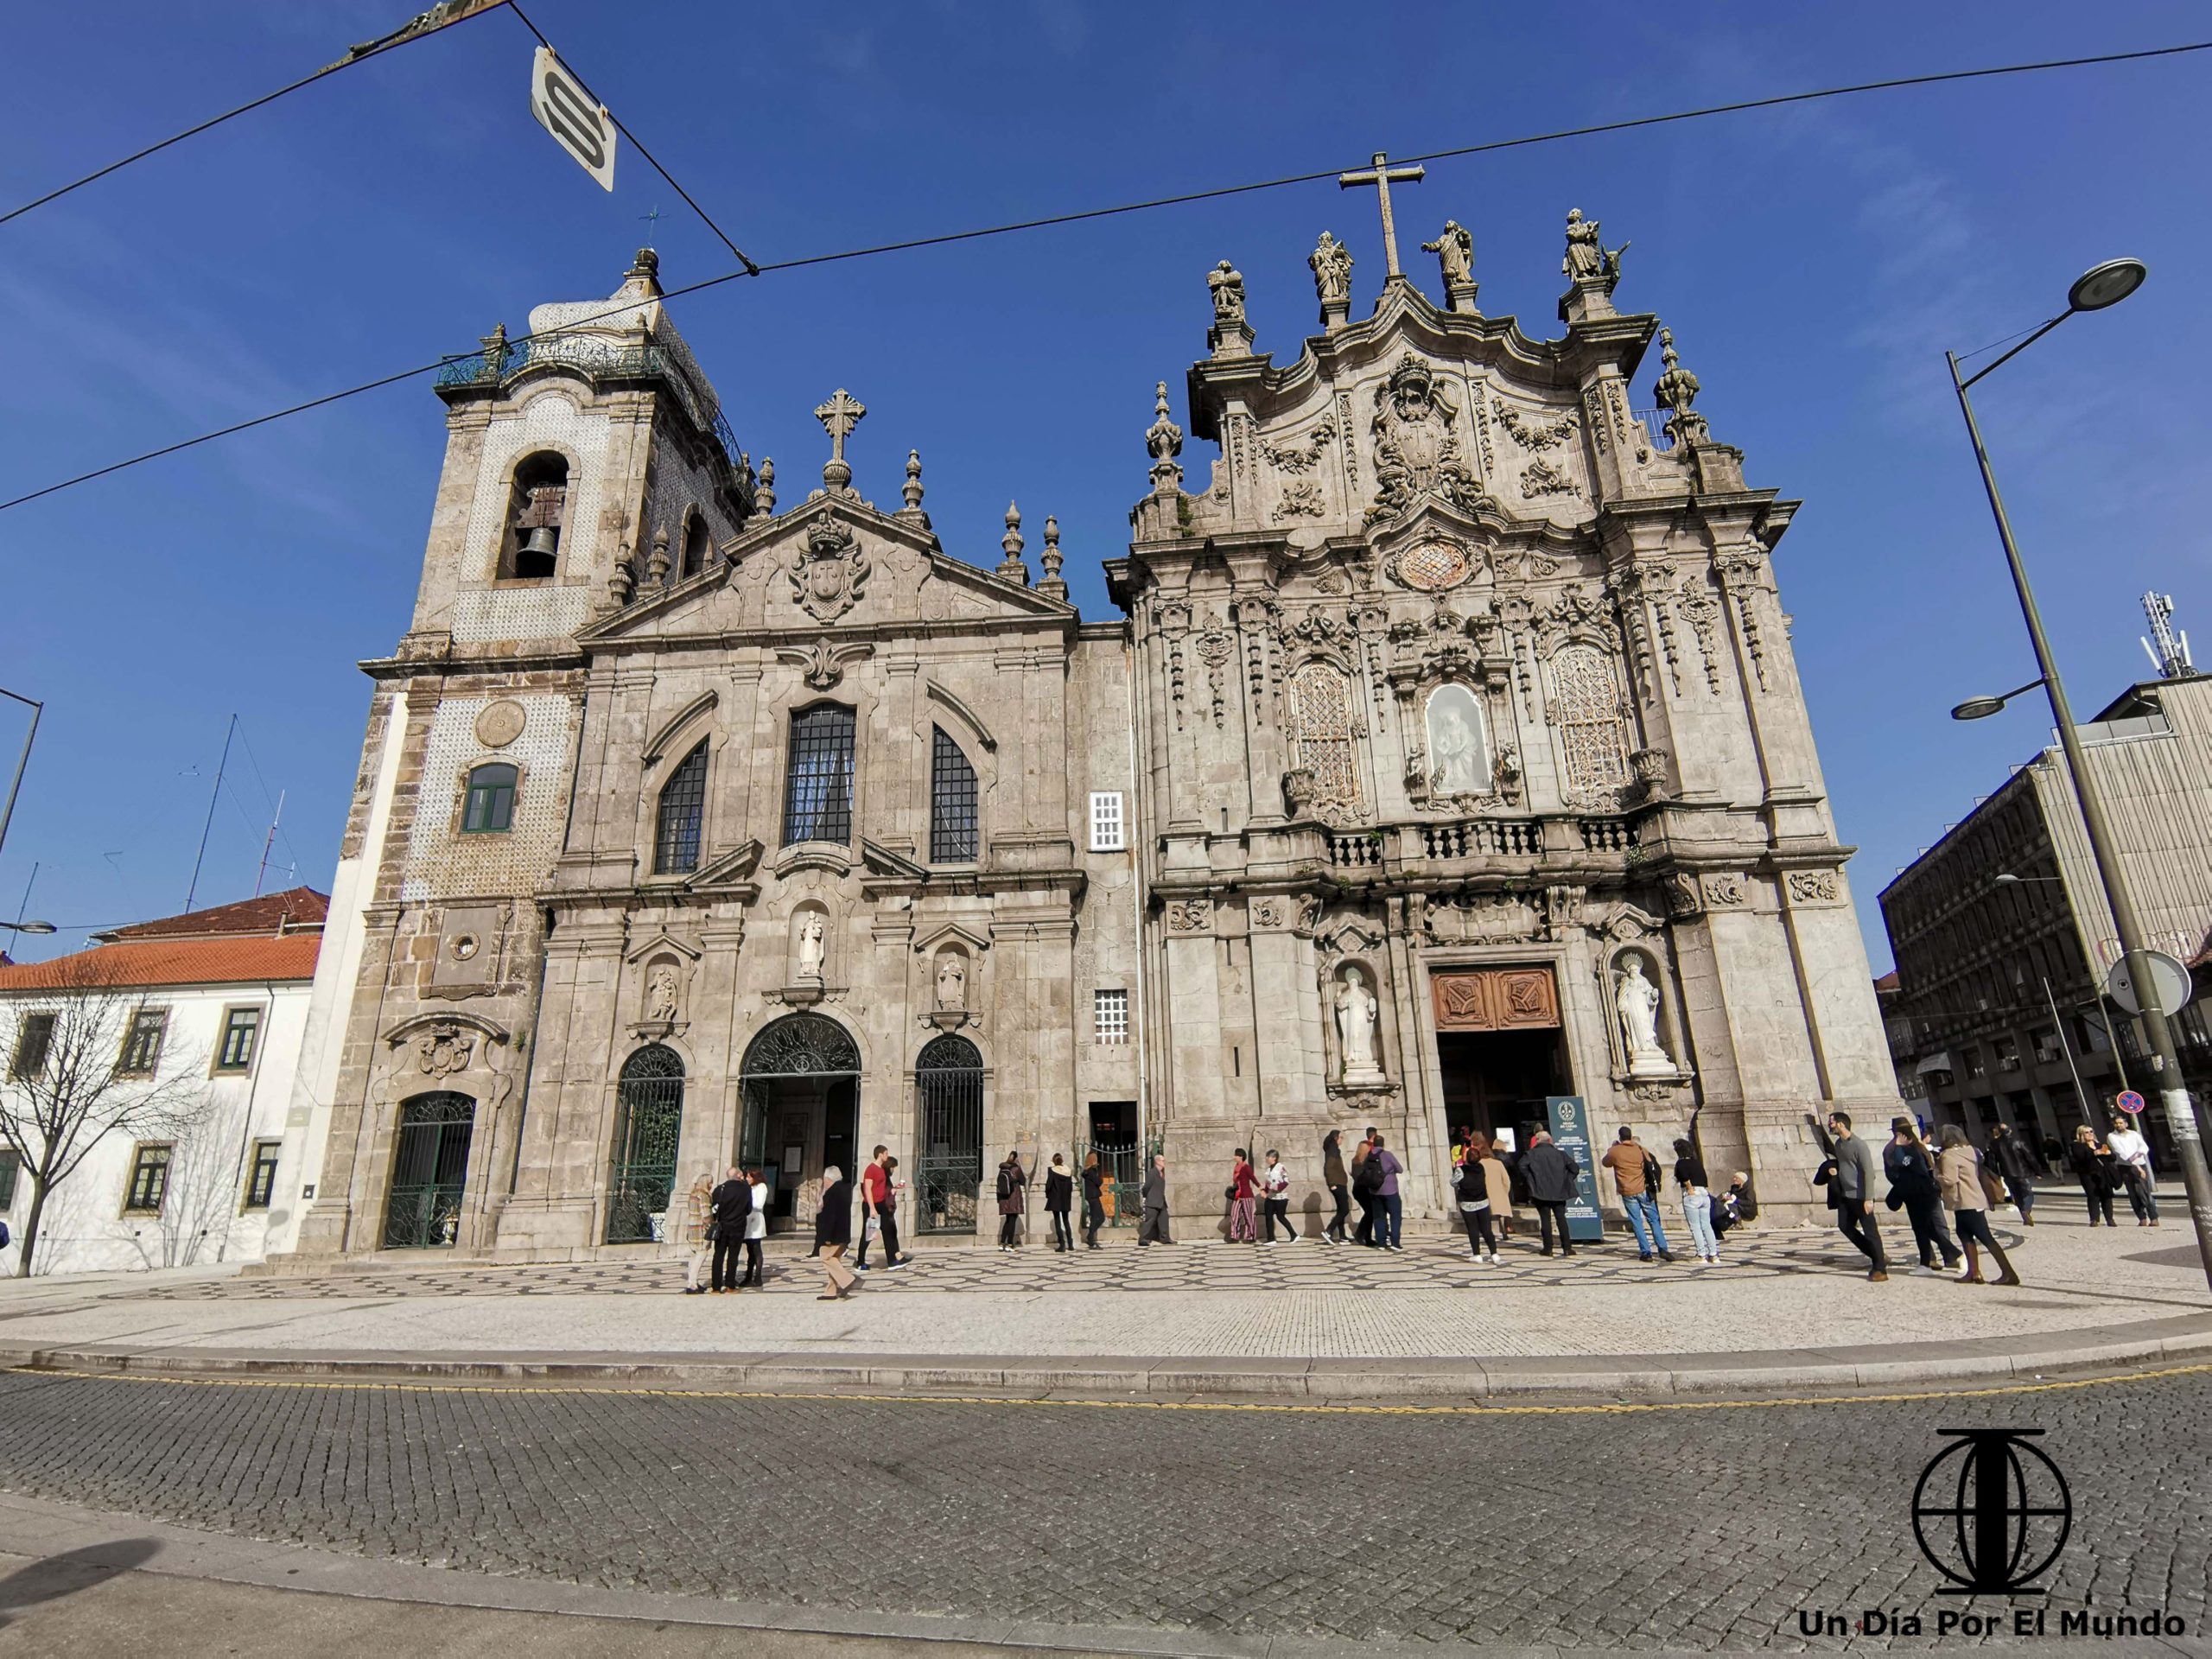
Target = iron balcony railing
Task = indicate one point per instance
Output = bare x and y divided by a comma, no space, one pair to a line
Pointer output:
601,360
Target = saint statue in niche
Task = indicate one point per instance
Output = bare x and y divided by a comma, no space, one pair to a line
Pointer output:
1637,1003
1458,756
951,981
811,952
660,993
1356,1016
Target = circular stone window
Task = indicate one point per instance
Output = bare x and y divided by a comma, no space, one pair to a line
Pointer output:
1433,566
500,723
465,947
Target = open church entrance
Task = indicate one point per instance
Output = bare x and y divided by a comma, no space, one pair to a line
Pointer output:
801,1081
1499,1048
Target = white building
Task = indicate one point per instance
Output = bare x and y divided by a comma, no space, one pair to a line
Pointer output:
206,1011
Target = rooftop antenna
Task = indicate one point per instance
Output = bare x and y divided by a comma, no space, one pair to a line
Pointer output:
267,842
2169,652
213,795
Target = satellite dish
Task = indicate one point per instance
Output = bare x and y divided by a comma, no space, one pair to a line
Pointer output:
2166,990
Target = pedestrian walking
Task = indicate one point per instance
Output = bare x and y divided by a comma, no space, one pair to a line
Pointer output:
1697,1201
880,1211
1335,1177
756,1233
1059,1198
1012,1183
1153,1228
833,1236
1910,1168
1242,1194
1636,1174
2096,1169
1471,1192
1851,1190
2018,1163
730,1206
2132,1153
1498,1180
1366,1188
1959,1173
1389,1202
698,1231
1274,1192
1550,1173
1094,1200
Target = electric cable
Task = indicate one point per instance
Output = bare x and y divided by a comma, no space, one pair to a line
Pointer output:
1009,228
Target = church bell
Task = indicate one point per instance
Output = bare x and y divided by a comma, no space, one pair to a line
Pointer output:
539,541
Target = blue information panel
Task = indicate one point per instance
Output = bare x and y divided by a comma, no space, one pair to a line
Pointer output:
1570,1128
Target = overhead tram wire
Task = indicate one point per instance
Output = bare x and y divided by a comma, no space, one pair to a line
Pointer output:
705,218
328,69
748,269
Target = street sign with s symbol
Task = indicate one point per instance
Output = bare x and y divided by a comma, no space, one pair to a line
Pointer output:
579,122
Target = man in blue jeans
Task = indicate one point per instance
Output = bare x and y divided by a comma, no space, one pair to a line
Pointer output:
1634,1172
1390,1210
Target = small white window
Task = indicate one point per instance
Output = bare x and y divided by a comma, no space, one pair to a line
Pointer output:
1106,834
1110,1009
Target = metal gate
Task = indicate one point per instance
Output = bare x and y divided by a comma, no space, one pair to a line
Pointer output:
949,1162
648,1118
1125,1162
429,1172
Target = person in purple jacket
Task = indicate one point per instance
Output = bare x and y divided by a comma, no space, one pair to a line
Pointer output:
1390,1207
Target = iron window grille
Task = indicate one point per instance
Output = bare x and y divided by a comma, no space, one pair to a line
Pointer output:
261,1183
33,1037
1109,1015
10,1164
818,795
948,1162
649,1124
150,1180
682,808
241,1027
952,802
142,1044
490,807
1107,832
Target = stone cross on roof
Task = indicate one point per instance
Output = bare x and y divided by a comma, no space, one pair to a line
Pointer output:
839,416
1383,175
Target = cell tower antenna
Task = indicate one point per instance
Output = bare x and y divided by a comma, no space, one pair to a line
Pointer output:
2168,650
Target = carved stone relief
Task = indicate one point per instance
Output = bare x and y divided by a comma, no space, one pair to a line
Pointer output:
829,574
1417,445
1814,887
1190,915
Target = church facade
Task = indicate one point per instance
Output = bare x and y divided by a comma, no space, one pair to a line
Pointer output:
1447,754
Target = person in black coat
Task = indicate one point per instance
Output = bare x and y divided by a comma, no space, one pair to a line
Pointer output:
2017,1162
1059,1196
1094,1200
1550,1174
2095,1166
833,1236
729,1206
1913,1185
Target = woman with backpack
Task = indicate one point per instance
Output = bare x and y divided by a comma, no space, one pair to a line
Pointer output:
1339,1185
1059,1197
1011,1183
1472,1190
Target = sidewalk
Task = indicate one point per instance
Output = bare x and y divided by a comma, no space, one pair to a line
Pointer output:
1789,1308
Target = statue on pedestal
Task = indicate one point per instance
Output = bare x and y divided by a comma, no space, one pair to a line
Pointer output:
1357,1014
810,948
1637,1004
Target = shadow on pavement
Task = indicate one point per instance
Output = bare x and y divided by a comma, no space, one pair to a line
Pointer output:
73,1570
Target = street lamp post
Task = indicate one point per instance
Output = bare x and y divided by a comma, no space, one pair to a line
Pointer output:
2106,285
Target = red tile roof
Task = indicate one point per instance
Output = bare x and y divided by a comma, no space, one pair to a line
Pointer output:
294,907
246,960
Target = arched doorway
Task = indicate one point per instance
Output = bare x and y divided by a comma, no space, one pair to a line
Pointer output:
801,1080
949,1150
429,1172
648,1117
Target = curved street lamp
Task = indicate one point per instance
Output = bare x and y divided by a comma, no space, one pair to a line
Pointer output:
30,927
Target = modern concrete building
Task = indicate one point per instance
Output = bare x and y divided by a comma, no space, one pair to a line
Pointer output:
1447,754
2001,983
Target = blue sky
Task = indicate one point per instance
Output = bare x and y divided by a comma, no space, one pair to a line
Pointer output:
1813,262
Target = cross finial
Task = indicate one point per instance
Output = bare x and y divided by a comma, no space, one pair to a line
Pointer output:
838,417
651,220
1383,175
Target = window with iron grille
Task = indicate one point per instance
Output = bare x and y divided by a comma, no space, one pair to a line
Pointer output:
818,794
682,806
261,1181
1107,835
952,802
240,1028
491,804
33,1037
10,1165
1109,1015
150,1180
142,1044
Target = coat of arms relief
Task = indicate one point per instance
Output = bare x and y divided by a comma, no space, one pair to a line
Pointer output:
828,574
1415,432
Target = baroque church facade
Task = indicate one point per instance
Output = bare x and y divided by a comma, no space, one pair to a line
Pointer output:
1447,754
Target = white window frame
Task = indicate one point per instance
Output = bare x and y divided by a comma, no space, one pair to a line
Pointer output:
1109,1015
1108,824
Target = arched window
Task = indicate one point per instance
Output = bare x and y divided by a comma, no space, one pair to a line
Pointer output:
1320,714
538,508
682,804
818,792
697,543
490,806
648,1120
1593,728
952,802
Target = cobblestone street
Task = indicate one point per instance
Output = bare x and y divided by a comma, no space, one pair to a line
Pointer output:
1595,1526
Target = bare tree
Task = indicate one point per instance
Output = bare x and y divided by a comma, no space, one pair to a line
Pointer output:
65,1093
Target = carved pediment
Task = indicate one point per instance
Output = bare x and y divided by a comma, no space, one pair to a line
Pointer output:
950,932
729,867
882,860
662,940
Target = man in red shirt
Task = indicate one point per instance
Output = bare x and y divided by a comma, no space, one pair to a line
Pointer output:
878,1199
